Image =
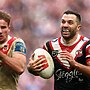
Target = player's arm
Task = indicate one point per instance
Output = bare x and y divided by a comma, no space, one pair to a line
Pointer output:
35,66
18,60
85,69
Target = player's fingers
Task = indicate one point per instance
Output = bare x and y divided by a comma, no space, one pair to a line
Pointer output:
65,54
40,67
40,62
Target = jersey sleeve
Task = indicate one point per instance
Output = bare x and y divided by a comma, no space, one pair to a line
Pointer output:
88,53
45,46
19,46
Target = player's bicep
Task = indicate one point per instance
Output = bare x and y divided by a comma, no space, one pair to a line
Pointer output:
19,56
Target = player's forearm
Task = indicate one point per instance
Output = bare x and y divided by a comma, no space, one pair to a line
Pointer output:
82,68
16,64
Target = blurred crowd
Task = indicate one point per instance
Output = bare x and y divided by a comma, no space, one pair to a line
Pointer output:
37,21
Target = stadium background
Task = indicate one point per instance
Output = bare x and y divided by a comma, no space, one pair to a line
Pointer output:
37,21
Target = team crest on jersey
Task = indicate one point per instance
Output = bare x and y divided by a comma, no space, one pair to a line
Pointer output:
5,48
55,53
79,53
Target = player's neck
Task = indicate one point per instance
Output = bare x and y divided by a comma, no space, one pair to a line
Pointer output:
71,41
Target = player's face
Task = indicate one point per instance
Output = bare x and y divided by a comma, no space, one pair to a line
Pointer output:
69,26
4,29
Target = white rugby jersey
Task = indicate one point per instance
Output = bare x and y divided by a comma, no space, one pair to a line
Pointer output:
8,78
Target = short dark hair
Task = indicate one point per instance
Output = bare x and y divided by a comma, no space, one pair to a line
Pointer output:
5,16
75,13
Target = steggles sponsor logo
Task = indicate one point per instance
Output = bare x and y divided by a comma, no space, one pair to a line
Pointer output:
68,76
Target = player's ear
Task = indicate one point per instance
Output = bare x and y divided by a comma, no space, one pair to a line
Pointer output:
9,28
79,27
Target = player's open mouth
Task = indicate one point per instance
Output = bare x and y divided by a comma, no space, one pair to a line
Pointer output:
65,30
1,36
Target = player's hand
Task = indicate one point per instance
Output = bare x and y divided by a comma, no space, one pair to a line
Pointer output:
36,65
65,55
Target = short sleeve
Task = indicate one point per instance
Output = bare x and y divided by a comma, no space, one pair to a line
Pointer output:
88,52
19,46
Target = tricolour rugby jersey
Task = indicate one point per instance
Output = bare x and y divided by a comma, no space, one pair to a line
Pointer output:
8,77
66,77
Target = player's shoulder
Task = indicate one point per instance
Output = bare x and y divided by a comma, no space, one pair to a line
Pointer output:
85,39
17,41
47,43
52,40
15,38
55,39
19,45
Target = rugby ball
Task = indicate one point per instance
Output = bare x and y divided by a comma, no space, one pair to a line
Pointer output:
48,68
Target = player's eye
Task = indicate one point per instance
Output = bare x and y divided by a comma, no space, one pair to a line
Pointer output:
70,22
3,27
63,21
